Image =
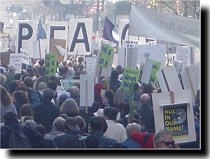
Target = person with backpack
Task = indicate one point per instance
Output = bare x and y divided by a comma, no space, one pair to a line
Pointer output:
12,135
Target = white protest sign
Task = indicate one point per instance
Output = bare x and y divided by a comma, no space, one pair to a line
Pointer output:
176,117
57,30
80,36
191,79
16,60
115,61
184,54
146,72
178,65
86,90
26,32
171,79
152,52
132,56
91,65
122,56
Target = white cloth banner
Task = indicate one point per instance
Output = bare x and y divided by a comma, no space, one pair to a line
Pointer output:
148,23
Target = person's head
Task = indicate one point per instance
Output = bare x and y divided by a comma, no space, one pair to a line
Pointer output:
163,139
132,127
136,87
20,97
74,91
41,62
71,124
63,70
26,110
97,125
11,68
58,124
3,79
52,85
13,86
124,109
80,59
69,107
114,75
22,87
47,94
5,97
110,113
10,117
105,83
91,142
61,99
81,122
30,122
119,68
28,82
17,76
41,129
97,89
41,86
147,88
145,99
109,96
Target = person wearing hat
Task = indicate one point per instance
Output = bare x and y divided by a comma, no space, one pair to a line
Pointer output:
46,112
70,137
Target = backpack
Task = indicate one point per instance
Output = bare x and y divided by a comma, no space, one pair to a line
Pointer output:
18,139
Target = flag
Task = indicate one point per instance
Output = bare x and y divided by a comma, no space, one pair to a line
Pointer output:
108,29
148,23
40,31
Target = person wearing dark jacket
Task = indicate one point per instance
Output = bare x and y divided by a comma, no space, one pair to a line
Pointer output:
98,127
146,113
46,112
114,83
11,123
70,138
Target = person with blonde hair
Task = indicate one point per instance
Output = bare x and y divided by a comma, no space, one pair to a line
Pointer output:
6,103
70,108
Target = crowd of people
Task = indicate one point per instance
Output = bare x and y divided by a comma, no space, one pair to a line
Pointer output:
32,108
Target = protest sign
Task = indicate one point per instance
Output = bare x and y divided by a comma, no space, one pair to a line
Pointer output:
130,75
115,61
86,90
57,30
17,60
91,65
105,57
26,35
173,111
66,84
176,119
50,64
122,56
151,52
149,72
168,79
184,54
80,36
191,78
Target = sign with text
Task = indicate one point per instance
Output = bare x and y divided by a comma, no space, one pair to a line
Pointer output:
106,53
26,35
177,116
130,75
184,54
149,72
90,65
50,64
80,36
17,60
175,119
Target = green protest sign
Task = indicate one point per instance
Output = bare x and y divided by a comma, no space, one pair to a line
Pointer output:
66,84
50,64
130,75
106,53
155,68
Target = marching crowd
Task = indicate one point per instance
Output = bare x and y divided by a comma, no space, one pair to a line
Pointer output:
34,115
